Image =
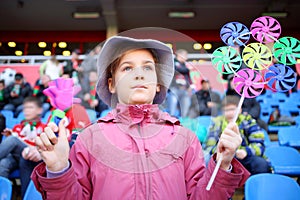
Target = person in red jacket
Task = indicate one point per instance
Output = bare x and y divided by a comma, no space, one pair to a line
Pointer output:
136,151
17,150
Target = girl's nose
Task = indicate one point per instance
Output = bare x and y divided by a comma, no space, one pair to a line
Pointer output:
139,73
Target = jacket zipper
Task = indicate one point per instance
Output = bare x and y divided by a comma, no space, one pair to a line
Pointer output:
146,168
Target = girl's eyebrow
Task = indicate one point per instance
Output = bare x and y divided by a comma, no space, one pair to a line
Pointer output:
144,62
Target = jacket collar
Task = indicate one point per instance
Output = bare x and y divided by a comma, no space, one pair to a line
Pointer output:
133,114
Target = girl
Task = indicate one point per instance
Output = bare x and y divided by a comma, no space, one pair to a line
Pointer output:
136,151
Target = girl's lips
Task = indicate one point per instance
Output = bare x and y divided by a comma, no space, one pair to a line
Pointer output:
139,86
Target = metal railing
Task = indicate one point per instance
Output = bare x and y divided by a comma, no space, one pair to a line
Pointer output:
38,59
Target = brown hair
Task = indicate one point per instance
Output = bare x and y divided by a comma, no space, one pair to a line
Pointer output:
230,100
34,100
111,69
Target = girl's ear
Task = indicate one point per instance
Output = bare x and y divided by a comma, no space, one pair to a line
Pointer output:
111,86
157,88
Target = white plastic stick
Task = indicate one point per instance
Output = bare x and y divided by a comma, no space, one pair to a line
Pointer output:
237,112
213,176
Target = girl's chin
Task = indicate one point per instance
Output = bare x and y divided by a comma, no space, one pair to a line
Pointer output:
137,101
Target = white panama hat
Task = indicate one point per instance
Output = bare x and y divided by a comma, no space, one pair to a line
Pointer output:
115,46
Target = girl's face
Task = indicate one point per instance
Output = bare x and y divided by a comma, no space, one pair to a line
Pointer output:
135,79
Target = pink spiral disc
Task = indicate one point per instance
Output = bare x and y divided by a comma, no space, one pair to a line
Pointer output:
248,83
265,29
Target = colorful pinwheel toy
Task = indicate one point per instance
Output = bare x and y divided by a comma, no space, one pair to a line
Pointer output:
249,83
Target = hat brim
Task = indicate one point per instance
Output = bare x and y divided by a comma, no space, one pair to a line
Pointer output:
116,46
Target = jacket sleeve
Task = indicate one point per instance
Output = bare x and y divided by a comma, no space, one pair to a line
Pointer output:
73,184
197,176
255,138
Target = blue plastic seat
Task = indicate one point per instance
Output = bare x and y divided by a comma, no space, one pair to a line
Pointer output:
104,112
92,114
10,121
20,117
15,174
284,160
7,113
46,116
205,120
200,128
289,136
273,103
5,188
297,120
262,98
32,193
290,106
267,140
271,186
280,96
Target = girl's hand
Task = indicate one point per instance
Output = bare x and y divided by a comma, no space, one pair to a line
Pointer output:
54,150
229,142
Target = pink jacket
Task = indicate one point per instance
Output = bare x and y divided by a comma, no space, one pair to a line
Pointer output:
138,152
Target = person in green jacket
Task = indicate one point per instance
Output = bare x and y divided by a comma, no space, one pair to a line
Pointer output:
251,151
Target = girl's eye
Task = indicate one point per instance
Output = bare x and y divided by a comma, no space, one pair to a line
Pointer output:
149,67
127,68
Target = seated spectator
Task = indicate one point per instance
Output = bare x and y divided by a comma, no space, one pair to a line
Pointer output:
18,149
250,105
205,101
180,91
38,89
16,93
51,67
89,97
3,100
88,65
72,67
251,151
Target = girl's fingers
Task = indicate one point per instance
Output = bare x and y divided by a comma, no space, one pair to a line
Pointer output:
62,129
46,142
229,140
53,126
51,135
233,127
40,145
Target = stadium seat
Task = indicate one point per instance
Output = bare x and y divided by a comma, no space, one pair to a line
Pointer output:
15,174
5,189
267,140
199,127
289,136
297,120
105,112
205,120
92,114
295,96
46,116
271,186
279,96
10,121
32,193
20,117
284,160
291,107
